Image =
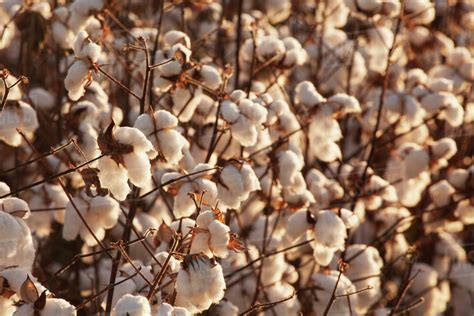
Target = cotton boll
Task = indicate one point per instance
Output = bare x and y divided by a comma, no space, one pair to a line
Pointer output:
306,94
76,79
210,76
367,263
53,307
325,285
269,47
4,188
17,115
114,177
41,98
329,234
15,237
458,178
174,37
200,283
441,193
298,223
132,305
444,148
167,310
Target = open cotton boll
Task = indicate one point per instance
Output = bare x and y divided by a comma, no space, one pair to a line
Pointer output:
325,285
166,309
4,188
17,115
100,213
200,283
114,177
211,236
330,234
344,103
445,148
420,11
81,12
269,47
367,263
298,223
458,177
174,37
185,101
441,193
289,165
41,98
76,78
132,305
15,236
53,307
307,95
211,77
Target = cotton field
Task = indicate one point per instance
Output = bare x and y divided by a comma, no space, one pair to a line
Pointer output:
236,157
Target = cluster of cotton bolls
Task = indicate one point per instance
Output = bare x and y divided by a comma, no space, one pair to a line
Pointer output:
236,157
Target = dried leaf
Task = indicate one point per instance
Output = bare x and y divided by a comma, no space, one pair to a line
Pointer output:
40,302
28,291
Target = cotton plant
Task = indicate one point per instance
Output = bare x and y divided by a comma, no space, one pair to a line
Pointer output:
100,213
81,12
200,283
14,117
79,74
374,7
127,153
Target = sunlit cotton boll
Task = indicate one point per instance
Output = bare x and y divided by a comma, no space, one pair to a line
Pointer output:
133,164
235,184
53,307
211,236
132,305
326,284
330,234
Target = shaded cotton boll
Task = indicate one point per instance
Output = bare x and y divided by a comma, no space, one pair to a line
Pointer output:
4,188
47,196
200,283
41,98
235,184
295,54
125,287
100,213
53,307
465,212
298,223
226,308
17,115
289,164
211,236
323,189
81,12
390,216
420,11
161,132
269,47
183,204
330,234
130,163
281,291
325,285
445,148
62,34
323,134
367,263
459,178
132,305
16,244
441,193
176,37
167,310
